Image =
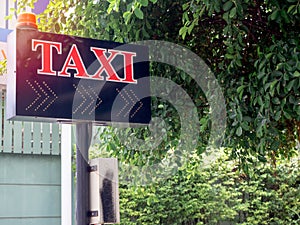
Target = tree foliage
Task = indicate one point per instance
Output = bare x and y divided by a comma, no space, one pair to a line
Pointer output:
3,67
255,55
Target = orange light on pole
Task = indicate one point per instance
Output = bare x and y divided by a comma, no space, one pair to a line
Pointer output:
27,20
3,54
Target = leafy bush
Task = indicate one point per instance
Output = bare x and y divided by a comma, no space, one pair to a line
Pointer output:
273,196
216,195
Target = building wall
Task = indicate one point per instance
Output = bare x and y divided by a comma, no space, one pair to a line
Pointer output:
29,189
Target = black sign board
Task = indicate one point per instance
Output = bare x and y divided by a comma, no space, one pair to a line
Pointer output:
64,78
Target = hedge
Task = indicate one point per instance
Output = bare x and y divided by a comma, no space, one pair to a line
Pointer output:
218,195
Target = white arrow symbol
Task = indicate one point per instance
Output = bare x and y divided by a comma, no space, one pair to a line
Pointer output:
37,93
82,95
125,106
138,108
97,99
54,96
133,98
93,97
45,94
39,96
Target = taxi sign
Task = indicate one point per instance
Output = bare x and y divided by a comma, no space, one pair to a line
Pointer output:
54,77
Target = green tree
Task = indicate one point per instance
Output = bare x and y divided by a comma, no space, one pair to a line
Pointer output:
255,55
251,46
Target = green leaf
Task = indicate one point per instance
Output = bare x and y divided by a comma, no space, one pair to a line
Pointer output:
289,87
144,2
145,33
127,16
185,6
287,115
260,101
57,28
239,63
239,131
229,56
226,17
240,88
296,74
277,115
139,13
232,13
137,34
245,126
274,15
191,27
269,55
227,5
129,6
183,31
291,8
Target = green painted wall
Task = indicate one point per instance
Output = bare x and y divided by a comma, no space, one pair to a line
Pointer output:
29,189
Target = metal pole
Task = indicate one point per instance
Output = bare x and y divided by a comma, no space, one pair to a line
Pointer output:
83,141
66,174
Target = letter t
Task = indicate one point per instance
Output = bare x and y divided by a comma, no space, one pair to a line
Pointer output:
46,50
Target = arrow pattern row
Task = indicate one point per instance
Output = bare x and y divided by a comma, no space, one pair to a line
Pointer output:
89,97
45,96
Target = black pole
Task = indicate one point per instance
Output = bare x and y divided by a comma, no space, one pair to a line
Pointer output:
83,141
